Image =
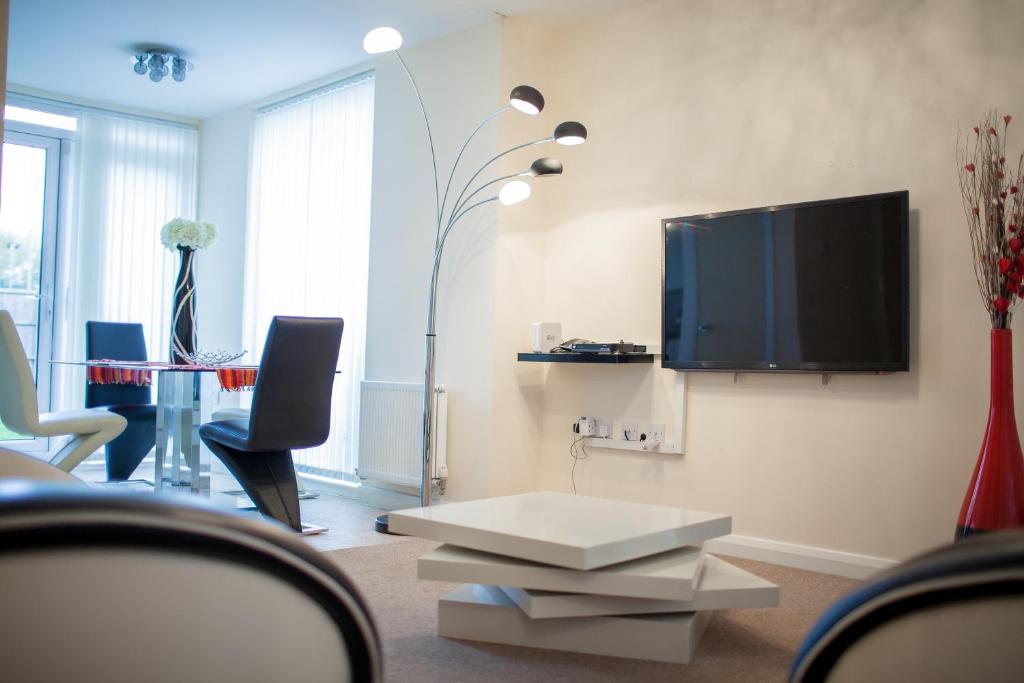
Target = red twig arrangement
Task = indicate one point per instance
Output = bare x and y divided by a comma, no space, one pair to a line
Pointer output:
992,203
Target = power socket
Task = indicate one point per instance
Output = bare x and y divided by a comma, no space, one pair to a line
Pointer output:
630,430
655,431
604,428
585,426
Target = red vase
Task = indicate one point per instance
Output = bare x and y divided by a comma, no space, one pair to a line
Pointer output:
995,497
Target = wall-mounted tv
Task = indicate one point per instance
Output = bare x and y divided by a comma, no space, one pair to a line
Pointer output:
814,287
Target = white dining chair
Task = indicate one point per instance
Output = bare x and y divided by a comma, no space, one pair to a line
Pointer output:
89,428
14,465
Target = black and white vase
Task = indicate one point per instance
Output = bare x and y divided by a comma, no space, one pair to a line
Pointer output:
183,321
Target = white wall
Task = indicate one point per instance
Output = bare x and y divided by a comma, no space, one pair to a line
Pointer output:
696,107
460,80
223,180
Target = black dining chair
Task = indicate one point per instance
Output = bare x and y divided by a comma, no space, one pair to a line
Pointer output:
122,341
291,409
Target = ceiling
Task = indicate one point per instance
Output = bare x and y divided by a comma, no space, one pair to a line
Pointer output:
243,50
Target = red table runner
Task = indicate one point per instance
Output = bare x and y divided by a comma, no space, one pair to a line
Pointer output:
98,374
231,379
236,379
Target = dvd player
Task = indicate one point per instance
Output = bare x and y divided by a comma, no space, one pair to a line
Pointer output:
607,347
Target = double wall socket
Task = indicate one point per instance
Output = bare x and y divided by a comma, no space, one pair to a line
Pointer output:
625,430
655,431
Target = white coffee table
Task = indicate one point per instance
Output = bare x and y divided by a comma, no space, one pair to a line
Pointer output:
560,529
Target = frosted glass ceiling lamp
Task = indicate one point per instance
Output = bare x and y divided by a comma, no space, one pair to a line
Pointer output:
570,133
154,62
178,68
383,39
157,68
527,99
522,98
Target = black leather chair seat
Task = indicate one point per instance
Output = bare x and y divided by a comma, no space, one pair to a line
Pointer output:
231,433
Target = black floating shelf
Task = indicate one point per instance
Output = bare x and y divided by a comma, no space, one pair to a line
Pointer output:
614,358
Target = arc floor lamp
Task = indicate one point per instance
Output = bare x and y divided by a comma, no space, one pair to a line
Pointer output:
513,189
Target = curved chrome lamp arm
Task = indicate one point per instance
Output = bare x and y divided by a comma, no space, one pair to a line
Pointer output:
495,158
437,258
458,207
455,165
430,135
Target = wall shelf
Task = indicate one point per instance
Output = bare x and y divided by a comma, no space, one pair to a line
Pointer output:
622,445
612,358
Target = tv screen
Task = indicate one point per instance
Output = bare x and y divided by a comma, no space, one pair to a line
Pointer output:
816,287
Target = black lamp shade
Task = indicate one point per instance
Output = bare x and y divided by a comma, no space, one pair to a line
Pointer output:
570,133
546,166
526,99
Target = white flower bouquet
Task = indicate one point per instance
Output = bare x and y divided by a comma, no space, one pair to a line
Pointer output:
185,234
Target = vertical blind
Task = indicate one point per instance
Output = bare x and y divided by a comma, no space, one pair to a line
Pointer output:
132,176
307,243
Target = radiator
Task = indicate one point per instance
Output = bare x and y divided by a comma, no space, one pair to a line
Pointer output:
391,432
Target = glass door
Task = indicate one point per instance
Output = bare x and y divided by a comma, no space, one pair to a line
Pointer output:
28,232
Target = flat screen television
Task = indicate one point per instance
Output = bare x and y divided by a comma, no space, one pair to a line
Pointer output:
813,287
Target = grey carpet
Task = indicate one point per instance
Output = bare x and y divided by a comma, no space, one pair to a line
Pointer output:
739,645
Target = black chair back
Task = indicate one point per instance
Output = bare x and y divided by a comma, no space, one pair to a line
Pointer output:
291,403
115,341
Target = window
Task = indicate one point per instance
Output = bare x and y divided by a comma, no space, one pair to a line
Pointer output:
40,118
307,246
131,176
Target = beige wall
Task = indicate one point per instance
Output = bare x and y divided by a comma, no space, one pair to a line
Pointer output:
705,106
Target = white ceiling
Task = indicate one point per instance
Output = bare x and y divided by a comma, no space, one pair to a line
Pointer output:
243,50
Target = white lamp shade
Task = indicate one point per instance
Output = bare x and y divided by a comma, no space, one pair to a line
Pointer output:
513,192
525,107
570,140
383,39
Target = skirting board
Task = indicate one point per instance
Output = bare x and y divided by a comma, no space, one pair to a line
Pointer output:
485,613
810,558
361,493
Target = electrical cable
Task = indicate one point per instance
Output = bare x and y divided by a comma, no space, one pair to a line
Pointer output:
576,455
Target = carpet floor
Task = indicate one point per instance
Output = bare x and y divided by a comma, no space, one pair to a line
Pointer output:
738,645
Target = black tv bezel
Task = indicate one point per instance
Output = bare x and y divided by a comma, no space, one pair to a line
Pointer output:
902,365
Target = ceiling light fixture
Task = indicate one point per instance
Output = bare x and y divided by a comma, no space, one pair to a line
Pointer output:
158,63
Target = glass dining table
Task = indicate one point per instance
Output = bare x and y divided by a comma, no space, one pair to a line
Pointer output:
178,417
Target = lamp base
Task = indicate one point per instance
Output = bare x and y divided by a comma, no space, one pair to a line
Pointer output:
381,526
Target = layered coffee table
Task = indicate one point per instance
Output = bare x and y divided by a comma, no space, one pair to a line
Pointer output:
580,574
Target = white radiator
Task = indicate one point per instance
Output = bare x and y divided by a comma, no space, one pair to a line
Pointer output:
391,432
